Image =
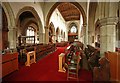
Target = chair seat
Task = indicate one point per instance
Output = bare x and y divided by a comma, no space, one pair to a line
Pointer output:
72,73
72,68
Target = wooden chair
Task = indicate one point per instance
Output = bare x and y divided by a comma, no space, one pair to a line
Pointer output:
73,68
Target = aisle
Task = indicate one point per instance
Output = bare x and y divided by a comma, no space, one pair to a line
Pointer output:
45,69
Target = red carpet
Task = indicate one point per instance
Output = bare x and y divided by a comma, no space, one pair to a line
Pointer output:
46,69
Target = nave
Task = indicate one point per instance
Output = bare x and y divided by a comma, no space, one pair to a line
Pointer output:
31,31
46,69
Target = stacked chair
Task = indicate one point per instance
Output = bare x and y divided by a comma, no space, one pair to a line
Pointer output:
73,60
73,68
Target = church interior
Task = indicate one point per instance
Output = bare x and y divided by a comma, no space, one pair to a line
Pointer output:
60,41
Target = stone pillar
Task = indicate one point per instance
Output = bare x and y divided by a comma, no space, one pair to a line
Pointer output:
41,37
12,37
0,47
46,35
90,37
107,34
0,29
54,38
85,35
66,35
118,25
118,35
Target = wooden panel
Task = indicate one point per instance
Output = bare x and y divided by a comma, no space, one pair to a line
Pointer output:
119,66
69,11
6,68
9,63
114,58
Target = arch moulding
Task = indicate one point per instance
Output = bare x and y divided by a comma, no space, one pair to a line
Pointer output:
58,3
35,14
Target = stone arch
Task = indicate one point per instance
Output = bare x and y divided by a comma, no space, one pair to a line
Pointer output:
36,20
73,24
4,30
9,13
31,22
58,3
35,14
11,24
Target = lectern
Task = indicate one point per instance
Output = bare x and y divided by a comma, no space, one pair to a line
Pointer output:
61,63
29,59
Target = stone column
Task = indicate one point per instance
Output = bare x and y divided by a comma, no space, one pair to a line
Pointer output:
12,37
0,42
46,35
90,37
107,34
0,29
119,26
54,38
118,35
41,37
85,35
66,35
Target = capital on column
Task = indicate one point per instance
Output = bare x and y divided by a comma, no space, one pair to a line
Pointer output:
108,21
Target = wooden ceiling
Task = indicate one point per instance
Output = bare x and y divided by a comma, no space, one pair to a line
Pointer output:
69,11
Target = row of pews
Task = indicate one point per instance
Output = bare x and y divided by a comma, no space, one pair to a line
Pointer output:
40,50
61,44
104,69
109,68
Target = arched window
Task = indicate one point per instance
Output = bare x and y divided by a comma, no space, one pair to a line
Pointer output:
30,33
73,29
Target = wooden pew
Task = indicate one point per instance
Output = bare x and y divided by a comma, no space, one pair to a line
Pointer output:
102,73
40,50
114,59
